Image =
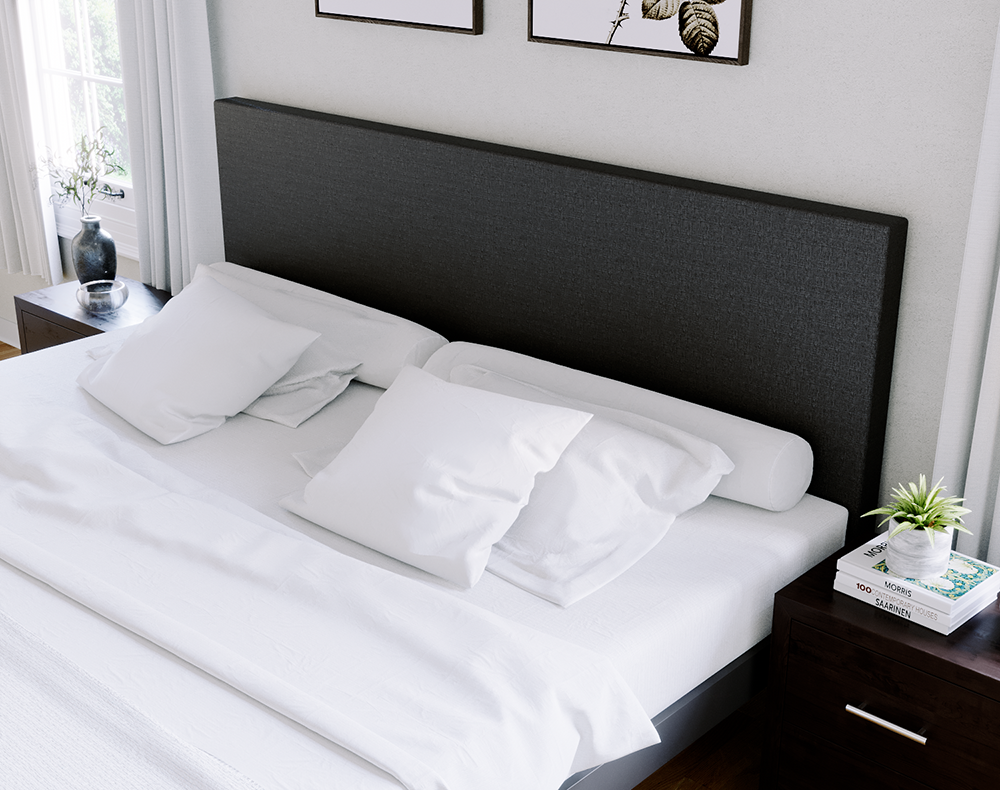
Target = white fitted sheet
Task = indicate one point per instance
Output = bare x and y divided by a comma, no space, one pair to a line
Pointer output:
697,601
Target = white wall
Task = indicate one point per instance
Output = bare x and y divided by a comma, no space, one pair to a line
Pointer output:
10,286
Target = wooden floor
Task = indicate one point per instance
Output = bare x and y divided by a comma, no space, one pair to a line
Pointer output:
726,758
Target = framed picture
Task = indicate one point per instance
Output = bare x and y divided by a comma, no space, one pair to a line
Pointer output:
456,16
710,30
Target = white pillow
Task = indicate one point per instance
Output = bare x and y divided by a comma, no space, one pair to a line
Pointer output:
204,357
773,467
293,400
437,473
383,343
609,500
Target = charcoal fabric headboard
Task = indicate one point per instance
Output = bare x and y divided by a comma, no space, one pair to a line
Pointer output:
779,310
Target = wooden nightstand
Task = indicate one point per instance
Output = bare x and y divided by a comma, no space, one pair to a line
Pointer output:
829,651
51,316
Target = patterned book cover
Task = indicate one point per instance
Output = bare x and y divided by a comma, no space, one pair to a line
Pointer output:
902,607
966,580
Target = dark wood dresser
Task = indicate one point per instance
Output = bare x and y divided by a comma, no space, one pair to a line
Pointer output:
50,316
830,651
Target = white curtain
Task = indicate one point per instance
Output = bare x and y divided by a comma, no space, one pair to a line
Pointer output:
27,222
167,67
968,449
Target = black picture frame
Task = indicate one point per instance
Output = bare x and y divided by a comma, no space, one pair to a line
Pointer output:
471,23
688,25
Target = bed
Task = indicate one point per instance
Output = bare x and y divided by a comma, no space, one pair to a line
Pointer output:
617,289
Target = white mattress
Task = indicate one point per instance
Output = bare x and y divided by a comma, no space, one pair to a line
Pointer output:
697,601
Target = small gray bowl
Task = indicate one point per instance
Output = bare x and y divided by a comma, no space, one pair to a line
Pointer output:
102,296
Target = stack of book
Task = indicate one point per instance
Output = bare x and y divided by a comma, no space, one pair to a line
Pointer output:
942,603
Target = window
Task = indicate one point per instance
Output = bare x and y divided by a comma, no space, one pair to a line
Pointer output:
74,46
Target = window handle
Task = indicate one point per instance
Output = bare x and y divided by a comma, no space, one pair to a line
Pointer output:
886,724
111,193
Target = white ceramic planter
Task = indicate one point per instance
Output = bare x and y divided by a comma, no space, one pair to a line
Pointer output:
911,555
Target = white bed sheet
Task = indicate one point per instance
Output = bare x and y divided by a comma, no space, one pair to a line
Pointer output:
698,600
433,689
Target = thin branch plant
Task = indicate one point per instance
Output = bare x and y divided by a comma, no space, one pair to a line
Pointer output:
82,182
698,23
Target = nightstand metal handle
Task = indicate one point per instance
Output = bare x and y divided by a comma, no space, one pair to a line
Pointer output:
887,724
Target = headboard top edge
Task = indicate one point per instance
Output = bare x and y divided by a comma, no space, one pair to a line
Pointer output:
892,222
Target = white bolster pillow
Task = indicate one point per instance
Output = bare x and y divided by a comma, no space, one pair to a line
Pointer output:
384,343
773,468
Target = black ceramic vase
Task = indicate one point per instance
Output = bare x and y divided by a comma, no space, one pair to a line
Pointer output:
94,256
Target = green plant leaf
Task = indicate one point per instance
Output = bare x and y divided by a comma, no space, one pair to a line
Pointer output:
914,507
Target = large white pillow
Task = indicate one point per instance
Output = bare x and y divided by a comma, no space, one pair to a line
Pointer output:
609,500
204,357
773,467
383,343
438,473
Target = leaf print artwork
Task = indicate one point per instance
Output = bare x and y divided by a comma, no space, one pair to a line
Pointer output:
698,24
617,21
660,9
704,29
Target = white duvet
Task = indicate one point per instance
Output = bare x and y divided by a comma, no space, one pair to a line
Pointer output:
61,728
437,692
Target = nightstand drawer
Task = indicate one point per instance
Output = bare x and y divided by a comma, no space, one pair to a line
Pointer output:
825,674
841,769
39,333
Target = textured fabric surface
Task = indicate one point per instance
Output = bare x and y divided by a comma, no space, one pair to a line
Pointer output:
968,448
202,359
383,343
56,716
773,468
434,691
608,500
714,574
778,310
28,241
438,473
167,69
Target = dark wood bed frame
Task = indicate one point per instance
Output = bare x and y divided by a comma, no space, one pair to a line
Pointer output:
776,309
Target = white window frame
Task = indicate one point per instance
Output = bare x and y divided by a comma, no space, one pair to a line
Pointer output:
52,113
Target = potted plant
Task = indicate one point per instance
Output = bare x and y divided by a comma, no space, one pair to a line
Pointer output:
921,524
82,182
